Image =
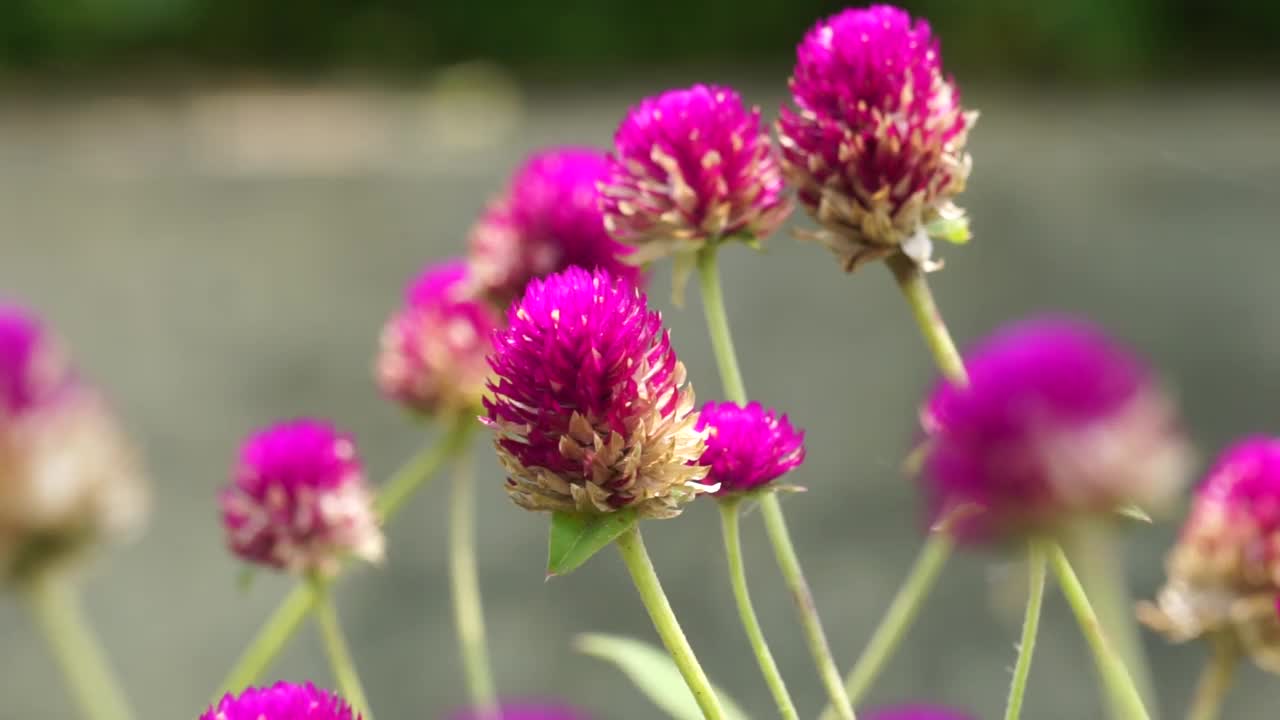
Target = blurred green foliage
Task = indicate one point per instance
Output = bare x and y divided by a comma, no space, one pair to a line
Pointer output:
1090,39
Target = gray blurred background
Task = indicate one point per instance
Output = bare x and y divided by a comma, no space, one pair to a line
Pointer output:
220,248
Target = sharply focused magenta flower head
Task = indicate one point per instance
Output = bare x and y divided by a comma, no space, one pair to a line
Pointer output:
875,145
434,349
747,447
526,710
589,403
282,701
691,166
1224,572
298,500
918,712
1057,420
548,219
68,475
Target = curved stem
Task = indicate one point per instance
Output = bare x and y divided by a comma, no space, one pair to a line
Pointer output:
1115,676
467,609
915,288
631,547
1216,679
747,612
335,646
1030,626
410,478
88,674
718,325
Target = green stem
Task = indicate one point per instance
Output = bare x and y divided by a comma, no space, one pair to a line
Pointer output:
915,288
83,662
1030,627
288,616
747,612
1216,679
335,646
631,546
718,325
1115,677
467,608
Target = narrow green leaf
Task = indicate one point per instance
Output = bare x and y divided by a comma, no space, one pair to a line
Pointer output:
953,230
575,537
654,674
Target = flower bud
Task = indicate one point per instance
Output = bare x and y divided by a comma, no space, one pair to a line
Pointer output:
282,701
747,447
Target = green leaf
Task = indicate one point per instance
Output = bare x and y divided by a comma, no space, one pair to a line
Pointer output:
575,537
953,230
654,674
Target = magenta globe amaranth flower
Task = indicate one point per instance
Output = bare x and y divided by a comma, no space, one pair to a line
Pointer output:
691,166
434,349
68,475
589,403
747,447
1057,420
282,701
875,146
918,712
525,710
298,500
548,219
1224,572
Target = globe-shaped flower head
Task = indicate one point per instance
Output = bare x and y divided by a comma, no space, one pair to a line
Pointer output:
590,405
433,352
1058,420
282,701
298,500
548,219
1224,572
67,473
691,166
875,145
747,447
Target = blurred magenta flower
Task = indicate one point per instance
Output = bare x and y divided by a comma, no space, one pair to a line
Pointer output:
434,349
589,403
918,712
68,475
298,500
875,146
282,701
526,710
692,166
548,219
747,447
1058,420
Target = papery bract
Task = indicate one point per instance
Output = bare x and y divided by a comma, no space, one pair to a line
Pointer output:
747,447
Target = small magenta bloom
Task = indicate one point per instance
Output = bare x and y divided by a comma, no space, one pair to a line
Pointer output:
747,447
433,349
548,219
526,710
589,403
68,475
692,166
1057,420
282,701
298,500
875,145
919,712
1224,572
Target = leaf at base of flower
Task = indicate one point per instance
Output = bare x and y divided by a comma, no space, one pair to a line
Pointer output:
575,537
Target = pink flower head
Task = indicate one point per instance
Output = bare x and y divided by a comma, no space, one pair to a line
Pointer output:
433,349
548,219
525,710
589,403
1057,420
298,500
692,166
282,701
875,145
918,712
68,475
747,447
1224,572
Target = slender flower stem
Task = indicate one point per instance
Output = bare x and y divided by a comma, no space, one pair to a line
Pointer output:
1216,679
1030,626
747,612
1115,676
467,608
288,616
631,546
771,509
57,611
340,660
915,288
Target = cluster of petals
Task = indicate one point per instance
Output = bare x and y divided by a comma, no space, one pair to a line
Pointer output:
747,447
282,701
